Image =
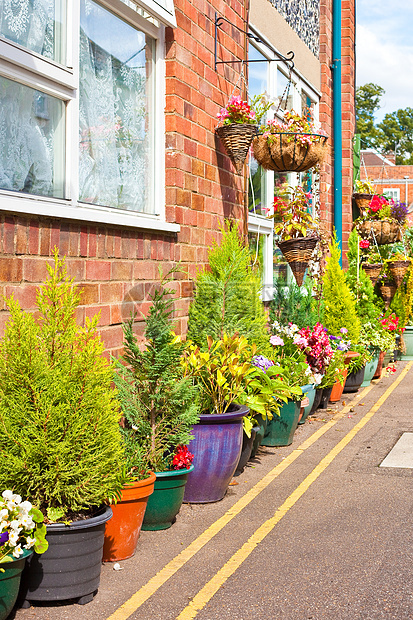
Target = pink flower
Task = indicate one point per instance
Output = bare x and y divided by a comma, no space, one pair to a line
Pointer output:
364,244
276,340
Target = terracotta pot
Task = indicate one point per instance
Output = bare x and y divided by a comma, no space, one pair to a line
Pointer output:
122,531
337,389
379,368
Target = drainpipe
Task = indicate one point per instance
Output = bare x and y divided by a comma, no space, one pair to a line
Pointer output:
337,124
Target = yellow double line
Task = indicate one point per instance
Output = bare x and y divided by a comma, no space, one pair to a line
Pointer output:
210,588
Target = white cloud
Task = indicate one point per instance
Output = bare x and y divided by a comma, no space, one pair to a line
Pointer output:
381,59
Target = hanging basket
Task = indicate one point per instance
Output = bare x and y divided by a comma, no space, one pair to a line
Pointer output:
362,201
297,253
237,139
283,152
398,269
372,271
384,231
388,290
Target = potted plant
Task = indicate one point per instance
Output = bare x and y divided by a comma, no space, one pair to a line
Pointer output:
356,368
22,531
294,144
220,373
295,228
227,298
377,222
363,192
61,440
240,121
159,406
296,372
372,263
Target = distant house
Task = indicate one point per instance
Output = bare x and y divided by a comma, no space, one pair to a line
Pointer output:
388,178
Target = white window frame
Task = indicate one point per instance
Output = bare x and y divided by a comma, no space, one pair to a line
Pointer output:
33,70
257,223
393,192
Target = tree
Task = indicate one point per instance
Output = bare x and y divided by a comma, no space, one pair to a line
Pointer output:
397,128
367,102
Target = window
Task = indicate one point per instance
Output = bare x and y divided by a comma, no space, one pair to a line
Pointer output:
392,192
81,114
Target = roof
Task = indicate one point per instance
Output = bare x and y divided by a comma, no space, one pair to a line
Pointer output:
373,158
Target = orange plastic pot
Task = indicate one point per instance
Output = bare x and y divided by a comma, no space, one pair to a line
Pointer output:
122,531
338,388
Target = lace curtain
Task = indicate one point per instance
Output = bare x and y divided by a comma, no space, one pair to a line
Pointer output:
30,23
115,126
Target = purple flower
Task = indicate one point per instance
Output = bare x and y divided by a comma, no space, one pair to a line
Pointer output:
261,362
399,211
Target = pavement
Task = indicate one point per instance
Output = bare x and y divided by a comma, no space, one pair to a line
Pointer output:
313,531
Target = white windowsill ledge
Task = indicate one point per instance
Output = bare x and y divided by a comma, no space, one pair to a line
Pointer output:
66,210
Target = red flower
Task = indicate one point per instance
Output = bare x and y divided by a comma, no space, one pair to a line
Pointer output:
182,459
364,244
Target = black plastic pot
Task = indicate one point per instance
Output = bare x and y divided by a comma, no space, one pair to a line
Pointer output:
317,400
354,381
247,444
70,568
325,397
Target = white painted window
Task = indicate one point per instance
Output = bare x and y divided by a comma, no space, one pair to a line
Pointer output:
81,109
392,192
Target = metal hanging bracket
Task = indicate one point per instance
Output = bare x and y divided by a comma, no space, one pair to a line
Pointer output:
219,21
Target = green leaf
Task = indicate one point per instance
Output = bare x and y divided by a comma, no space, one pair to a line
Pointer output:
54,514
36,515
41,545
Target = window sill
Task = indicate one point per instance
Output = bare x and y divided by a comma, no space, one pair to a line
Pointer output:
62,209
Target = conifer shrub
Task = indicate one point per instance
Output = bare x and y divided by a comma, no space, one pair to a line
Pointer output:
60,438
227,296
158,403
339,305
294,304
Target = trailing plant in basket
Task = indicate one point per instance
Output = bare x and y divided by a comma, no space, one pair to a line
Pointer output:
238,110
292,213
159,404
60,438
308,131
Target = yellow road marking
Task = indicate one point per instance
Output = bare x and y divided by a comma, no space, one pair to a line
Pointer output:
146,591
207,592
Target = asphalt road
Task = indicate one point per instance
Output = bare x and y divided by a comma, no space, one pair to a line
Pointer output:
313,531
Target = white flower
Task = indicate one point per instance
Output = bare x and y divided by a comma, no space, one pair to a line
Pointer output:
25,506
3,525
18,551
27,522
16,499
4,513
8,495
29,542
318,378
11,505
13,538
15,525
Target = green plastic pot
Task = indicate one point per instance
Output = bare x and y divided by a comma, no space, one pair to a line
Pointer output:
370,370
311,396
10,583
280,430
262,423
166,500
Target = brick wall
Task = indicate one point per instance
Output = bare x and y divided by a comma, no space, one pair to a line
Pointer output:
116,267
391,177
348,109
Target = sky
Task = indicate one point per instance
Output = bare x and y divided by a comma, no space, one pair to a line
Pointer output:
384,50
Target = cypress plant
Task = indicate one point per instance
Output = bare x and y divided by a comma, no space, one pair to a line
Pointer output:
339,305
227,296
60,441
158,402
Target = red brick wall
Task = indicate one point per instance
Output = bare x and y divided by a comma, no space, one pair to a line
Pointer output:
381,176
116,266
348,109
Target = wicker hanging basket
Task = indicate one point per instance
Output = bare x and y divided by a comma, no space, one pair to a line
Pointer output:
283,152
237,139
362,201
385,231
388,290
398,269
372,271
297,253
